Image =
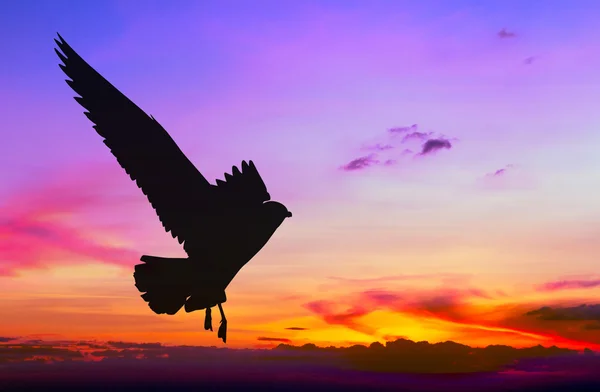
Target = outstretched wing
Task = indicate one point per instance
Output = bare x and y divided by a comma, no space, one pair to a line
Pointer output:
243,189
175,188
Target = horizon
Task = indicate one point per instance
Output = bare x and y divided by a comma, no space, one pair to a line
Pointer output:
439,159
412,365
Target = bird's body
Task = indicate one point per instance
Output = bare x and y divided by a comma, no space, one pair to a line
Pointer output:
221,226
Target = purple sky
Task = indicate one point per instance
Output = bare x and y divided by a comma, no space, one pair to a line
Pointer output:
407,137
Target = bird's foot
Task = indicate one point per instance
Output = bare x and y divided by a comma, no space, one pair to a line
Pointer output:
223,330
208,320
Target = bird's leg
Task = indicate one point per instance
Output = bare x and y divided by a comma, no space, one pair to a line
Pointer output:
208,320
223,328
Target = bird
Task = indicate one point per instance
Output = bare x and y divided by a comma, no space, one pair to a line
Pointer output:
221,226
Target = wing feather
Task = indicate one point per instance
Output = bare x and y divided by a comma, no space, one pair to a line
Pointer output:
175,188
245,188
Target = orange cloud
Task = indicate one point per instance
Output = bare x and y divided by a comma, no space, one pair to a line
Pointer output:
468,314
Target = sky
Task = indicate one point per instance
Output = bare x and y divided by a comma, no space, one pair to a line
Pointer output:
438,157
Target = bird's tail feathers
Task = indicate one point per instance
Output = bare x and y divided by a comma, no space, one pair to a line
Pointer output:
165,282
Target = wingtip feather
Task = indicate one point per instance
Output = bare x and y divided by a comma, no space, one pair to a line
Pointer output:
61,56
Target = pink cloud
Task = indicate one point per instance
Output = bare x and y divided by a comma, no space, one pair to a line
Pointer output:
37,228
569,284
348,317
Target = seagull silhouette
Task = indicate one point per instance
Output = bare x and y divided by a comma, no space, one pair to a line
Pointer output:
221,226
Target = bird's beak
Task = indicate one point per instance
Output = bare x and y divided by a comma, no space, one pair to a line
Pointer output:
289,215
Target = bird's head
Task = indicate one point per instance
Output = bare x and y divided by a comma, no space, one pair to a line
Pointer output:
276,212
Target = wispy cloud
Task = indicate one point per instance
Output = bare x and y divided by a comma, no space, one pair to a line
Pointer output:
403,129
268,339
581,312
416,136
331,314
508,177
36,228
402,277
378,147
395,137
360,163
504,33
444,304
472,313
569,284
499,172
297,329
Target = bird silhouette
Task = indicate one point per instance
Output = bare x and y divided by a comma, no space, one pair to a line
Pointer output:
221,226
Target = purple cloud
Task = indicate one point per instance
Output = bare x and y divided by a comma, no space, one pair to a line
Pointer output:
361,163
416,135
433,145
398,130
500,172
391,141
378,147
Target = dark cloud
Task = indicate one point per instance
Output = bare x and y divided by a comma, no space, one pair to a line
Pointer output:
506,34
46,352
297,329
4,339
406,356
395,137
358,366
581,312
433,145
592,327
124,345
361,163
125,353
569,285
91,345
529,60
267,339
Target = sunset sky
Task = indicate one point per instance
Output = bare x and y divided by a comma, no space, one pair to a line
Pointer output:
440,159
